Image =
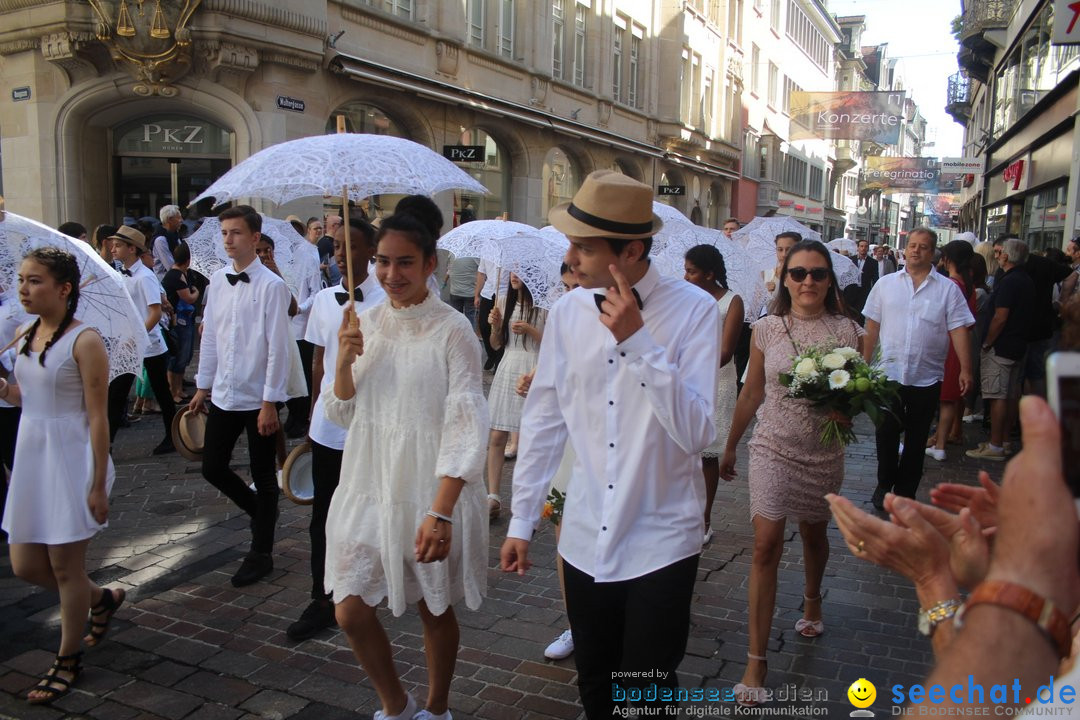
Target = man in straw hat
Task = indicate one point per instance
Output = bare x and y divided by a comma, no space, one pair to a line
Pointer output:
128,247
627,373
243,369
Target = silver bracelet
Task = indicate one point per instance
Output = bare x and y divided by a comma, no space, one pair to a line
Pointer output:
439,516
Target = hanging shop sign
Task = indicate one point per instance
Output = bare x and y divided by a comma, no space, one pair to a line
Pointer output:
670,190
463,153
872,116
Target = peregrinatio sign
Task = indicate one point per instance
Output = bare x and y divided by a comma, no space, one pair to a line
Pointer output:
873,116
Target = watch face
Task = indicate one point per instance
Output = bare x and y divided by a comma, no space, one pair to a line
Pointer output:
924,622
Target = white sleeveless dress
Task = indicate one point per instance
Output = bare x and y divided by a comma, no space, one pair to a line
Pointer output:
54,462
726,388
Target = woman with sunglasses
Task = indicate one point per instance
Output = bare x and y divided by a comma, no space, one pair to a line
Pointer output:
790,470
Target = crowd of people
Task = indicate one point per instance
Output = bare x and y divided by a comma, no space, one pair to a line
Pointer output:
624,405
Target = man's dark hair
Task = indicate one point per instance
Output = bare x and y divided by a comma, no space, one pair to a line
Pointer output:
617,245
410,226
797,237
72,229
263,237
182,254
364,228
734,220
921,230
251,218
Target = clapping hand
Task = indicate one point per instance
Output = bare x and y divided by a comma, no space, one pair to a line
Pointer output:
982,502
619,311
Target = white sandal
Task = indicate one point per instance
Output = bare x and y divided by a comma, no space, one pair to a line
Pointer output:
746,696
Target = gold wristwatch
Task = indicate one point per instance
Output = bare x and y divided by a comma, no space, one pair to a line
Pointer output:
930,618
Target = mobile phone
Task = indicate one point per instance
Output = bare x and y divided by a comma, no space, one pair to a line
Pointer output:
1063,391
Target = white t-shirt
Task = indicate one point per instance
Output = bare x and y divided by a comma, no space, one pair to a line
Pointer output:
490,272
145,290
322,330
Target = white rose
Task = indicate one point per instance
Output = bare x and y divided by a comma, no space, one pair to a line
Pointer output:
847,353
838,379
833,361
806,368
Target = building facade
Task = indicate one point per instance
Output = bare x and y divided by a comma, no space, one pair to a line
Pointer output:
118,107
1017,96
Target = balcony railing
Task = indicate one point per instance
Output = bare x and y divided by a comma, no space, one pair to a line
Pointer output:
983,15
959,89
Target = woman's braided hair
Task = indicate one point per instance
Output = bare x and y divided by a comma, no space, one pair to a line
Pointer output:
64,269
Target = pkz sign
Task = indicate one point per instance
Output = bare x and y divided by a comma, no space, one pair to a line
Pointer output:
172,136
464,153
663,190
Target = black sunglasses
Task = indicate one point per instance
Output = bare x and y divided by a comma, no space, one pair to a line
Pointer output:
818,274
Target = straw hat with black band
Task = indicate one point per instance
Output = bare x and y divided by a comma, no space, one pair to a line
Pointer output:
609,205
131,236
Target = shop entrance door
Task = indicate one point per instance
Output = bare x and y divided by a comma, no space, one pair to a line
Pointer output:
166,160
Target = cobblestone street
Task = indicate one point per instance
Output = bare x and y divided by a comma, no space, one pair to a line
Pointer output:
188,645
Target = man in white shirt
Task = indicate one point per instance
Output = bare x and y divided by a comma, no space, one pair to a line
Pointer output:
885,264
327,438
915,313
628,375
171,220
243,368
128,247
309,286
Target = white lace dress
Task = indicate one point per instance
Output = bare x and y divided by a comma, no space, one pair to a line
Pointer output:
726,389
418,415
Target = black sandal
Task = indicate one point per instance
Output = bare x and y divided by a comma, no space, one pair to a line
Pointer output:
52,684
102,613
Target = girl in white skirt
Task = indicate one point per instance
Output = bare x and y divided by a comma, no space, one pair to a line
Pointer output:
520,332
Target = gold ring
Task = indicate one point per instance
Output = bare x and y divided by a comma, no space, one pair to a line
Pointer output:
860,546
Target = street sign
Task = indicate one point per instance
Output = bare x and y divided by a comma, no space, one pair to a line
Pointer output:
662,190
20,93
1066,28
463,153
961,165
287,103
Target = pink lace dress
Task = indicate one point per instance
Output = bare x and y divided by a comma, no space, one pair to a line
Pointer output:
790,470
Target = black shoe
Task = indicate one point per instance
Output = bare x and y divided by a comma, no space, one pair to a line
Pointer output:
188,383
165,447
319,614
299,430
878,499
255,567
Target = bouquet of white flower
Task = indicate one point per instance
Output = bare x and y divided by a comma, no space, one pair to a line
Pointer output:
839,380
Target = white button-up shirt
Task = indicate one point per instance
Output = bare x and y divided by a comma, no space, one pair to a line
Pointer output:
637,414
915,324
145,290
491,272
244,355
322,330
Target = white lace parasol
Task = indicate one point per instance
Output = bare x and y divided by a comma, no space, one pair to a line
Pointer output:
535,257
847,272
292,251
469,239
761,233
326,164
104,303
842,245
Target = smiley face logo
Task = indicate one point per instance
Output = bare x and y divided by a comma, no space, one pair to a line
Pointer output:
862,693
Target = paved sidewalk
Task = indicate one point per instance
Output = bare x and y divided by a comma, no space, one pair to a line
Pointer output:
189,645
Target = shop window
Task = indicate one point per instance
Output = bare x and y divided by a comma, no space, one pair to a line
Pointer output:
561,178
363,118
493,173
1044,218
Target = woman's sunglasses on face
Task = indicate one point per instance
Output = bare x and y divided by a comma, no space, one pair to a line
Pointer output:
818,274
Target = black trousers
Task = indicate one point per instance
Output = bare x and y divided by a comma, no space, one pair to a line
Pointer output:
325,472
741,356
913,414
482,324
9,430
223,428
300,407
120,388
638,625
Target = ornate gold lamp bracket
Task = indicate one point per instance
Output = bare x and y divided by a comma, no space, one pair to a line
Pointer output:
152,42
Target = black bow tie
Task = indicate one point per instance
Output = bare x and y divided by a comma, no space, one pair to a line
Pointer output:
600,300
358,296
240,277
125,271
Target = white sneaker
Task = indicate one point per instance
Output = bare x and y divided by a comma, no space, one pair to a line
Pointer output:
901,450
562,647
973,418
708,537
938,455
407,713
428,715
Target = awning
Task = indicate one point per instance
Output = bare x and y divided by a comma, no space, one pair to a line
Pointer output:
368,71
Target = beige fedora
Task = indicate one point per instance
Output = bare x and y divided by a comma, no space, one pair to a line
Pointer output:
131,236
188,433
608,204
295,479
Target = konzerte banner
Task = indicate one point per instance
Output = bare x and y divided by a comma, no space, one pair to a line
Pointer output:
901,174
873,116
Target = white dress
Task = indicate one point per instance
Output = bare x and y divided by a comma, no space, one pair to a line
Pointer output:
726,389
418,415
54,462
519,359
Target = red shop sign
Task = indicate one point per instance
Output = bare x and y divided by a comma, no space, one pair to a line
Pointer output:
1013,174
